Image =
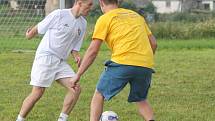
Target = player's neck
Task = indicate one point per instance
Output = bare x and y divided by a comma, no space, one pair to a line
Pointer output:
109,8
75,11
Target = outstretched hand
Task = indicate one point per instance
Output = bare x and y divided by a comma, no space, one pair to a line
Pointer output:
31,32
27,32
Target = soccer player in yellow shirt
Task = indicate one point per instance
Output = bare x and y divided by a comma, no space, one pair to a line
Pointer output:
133,46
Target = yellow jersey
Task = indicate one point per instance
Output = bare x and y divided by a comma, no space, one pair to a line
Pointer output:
126,34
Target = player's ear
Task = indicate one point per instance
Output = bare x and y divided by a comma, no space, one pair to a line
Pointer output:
79,2
101,3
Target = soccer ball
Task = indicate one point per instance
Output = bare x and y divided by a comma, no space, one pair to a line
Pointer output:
109,116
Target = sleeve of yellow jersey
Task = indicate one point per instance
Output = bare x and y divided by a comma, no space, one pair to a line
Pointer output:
148,31
101,29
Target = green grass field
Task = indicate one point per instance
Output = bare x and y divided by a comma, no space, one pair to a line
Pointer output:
182,88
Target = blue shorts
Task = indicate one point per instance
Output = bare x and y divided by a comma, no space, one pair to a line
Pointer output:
116,76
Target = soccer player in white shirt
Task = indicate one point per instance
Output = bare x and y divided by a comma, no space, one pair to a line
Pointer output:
63,34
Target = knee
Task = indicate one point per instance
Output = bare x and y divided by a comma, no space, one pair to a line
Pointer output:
37,92
144,102
98,95
144,105
78,90
75,90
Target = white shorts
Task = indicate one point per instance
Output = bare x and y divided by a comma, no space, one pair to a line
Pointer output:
46,69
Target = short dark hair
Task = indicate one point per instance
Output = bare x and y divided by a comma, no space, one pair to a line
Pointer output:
110,2
80,0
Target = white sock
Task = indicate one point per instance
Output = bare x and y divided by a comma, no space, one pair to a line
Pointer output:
20,118
63,117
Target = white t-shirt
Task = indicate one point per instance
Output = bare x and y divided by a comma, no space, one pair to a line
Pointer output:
63,33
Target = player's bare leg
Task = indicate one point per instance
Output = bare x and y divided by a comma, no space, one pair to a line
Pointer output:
96,106
31,100
70,98
145,110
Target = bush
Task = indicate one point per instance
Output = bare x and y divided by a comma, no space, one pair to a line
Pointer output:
185,17
149,8
128,5
182,30
94,14
96,11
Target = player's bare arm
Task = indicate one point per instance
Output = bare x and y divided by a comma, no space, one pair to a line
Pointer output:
153,42
88,59
31,32
77,57
89,56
